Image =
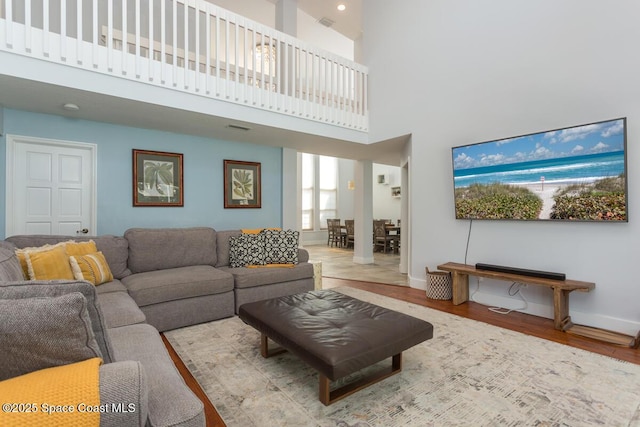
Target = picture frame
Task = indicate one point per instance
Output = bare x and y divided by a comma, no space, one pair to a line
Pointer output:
242,184
157,179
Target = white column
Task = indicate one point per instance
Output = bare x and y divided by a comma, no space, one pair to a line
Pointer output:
290,190
287,22
287,17
405,239
358,55
363,213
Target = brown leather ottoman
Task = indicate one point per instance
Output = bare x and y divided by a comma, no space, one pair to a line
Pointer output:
336,335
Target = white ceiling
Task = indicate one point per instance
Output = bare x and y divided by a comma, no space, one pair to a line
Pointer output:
347,22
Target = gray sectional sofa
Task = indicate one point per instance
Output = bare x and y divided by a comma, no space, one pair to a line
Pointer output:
163,279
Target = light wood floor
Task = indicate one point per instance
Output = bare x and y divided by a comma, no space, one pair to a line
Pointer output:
525,323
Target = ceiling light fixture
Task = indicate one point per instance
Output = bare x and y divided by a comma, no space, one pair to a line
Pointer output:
342,7
71,107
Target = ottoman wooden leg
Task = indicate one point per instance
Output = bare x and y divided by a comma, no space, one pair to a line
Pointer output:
328,397
264,347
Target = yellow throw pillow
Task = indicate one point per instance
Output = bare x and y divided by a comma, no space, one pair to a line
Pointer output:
91,267
21,254
257,230
74,248
49,264
251,230
52,396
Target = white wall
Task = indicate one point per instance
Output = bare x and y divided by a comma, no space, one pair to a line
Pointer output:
384,205
456,72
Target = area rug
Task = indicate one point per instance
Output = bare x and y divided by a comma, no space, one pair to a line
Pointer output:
469,374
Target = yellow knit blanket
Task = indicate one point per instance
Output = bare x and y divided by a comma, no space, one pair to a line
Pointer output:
66,395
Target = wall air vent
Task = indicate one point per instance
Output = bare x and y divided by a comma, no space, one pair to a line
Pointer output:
326,21
238,127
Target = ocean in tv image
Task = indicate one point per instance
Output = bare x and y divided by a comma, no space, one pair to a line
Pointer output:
576,173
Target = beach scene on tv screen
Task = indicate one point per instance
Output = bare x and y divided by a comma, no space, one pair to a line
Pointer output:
575,173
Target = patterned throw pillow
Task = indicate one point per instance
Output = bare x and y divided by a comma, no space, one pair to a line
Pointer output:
281,246
246,249
91,267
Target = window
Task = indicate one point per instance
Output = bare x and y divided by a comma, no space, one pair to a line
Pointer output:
319,191
308,179
328,189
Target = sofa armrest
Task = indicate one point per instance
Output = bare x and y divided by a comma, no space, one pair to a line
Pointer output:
303,255
123,394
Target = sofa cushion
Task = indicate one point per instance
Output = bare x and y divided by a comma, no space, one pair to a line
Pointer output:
171,284
223,246
162,248
171,402
114,248
29,289
43,332
250,277
92,267
120,309
113,286
10,269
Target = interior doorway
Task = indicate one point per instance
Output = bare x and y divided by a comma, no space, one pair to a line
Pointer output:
51,186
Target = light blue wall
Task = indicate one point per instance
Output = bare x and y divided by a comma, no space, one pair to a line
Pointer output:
203,174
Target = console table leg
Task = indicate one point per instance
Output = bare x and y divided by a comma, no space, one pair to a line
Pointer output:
460,287
561,318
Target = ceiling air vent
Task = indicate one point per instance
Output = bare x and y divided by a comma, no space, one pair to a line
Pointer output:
238,127
326,21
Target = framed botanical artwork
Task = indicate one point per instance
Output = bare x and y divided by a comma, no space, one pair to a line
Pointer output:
242,184
157,179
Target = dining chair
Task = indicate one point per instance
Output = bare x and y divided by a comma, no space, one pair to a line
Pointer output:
329,231
381,237
350,226
336,236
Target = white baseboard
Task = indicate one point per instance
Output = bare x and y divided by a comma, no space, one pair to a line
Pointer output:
623,326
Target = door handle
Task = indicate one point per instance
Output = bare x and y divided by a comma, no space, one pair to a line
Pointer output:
83,231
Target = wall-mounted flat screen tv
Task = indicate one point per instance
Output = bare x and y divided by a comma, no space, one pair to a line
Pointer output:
577,173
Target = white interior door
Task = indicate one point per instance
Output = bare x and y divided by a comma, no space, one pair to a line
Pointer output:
50,186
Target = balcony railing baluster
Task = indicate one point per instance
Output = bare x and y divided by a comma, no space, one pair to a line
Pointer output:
191,46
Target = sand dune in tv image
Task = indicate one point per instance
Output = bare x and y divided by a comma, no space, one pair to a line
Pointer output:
576,173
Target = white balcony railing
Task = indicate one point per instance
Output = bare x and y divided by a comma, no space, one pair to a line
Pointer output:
190,46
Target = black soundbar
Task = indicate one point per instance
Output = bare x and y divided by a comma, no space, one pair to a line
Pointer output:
522,271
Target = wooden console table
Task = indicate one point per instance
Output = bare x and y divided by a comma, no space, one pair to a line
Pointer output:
561,288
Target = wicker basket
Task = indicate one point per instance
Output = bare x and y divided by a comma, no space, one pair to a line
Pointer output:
439,285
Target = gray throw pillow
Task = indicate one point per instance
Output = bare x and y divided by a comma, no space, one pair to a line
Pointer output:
281,246
56,288
39,333
10,269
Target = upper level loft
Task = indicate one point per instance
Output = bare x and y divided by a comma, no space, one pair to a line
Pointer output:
190,46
